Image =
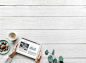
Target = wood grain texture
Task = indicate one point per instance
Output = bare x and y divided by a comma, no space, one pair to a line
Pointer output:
66,61
44,23
46,61
68,51
43,11
43,2
56,24
49,36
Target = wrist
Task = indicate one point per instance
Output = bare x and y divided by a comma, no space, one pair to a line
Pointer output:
38,62
11,55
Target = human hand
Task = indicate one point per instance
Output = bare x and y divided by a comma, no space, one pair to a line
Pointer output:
13,52
38,57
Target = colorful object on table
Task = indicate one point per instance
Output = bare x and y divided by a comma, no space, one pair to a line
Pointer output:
55,61
53,52
4,47
46,52
61,59
50,59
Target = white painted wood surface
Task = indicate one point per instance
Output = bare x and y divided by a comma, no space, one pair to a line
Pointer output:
50,36
59,23
56,24
43,11
43,2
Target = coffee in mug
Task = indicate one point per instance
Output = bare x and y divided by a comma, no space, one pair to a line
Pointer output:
12,36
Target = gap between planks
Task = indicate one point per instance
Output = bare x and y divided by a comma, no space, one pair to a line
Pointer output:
42,16
42,5
43,2
44,29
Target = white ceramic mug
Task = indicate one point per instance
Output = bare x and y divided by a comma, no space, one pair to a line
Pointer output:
12,36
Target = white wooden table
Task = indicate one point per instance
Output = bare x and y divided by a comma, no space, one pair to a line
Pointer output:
56,24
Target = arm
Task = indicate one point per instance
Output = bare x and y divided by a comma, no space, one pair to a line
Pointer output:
8,58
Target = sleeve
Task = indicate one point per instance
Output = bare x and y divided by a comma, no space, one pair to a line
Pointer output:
6,60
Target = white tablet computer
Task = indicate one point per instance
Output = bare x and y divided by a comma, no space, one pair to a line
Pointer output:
28,48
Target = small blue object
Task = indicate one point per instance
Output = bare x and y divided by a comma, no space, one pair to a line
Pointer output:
50,58
4,52
46,52
55,61
53,52
61,59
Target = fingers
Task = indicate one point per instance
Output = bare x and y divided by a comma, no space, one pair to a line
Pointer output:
40,55
37,57
14,48
36,60
16,44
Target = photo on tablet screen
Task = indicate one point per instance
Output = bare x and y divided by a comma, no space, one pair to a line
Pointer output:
23,46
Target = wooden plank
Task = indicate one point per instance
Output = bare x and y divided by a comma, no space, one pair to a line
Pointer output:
43,23
46,61
68,51
43,11
43,2
66,60
49,36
